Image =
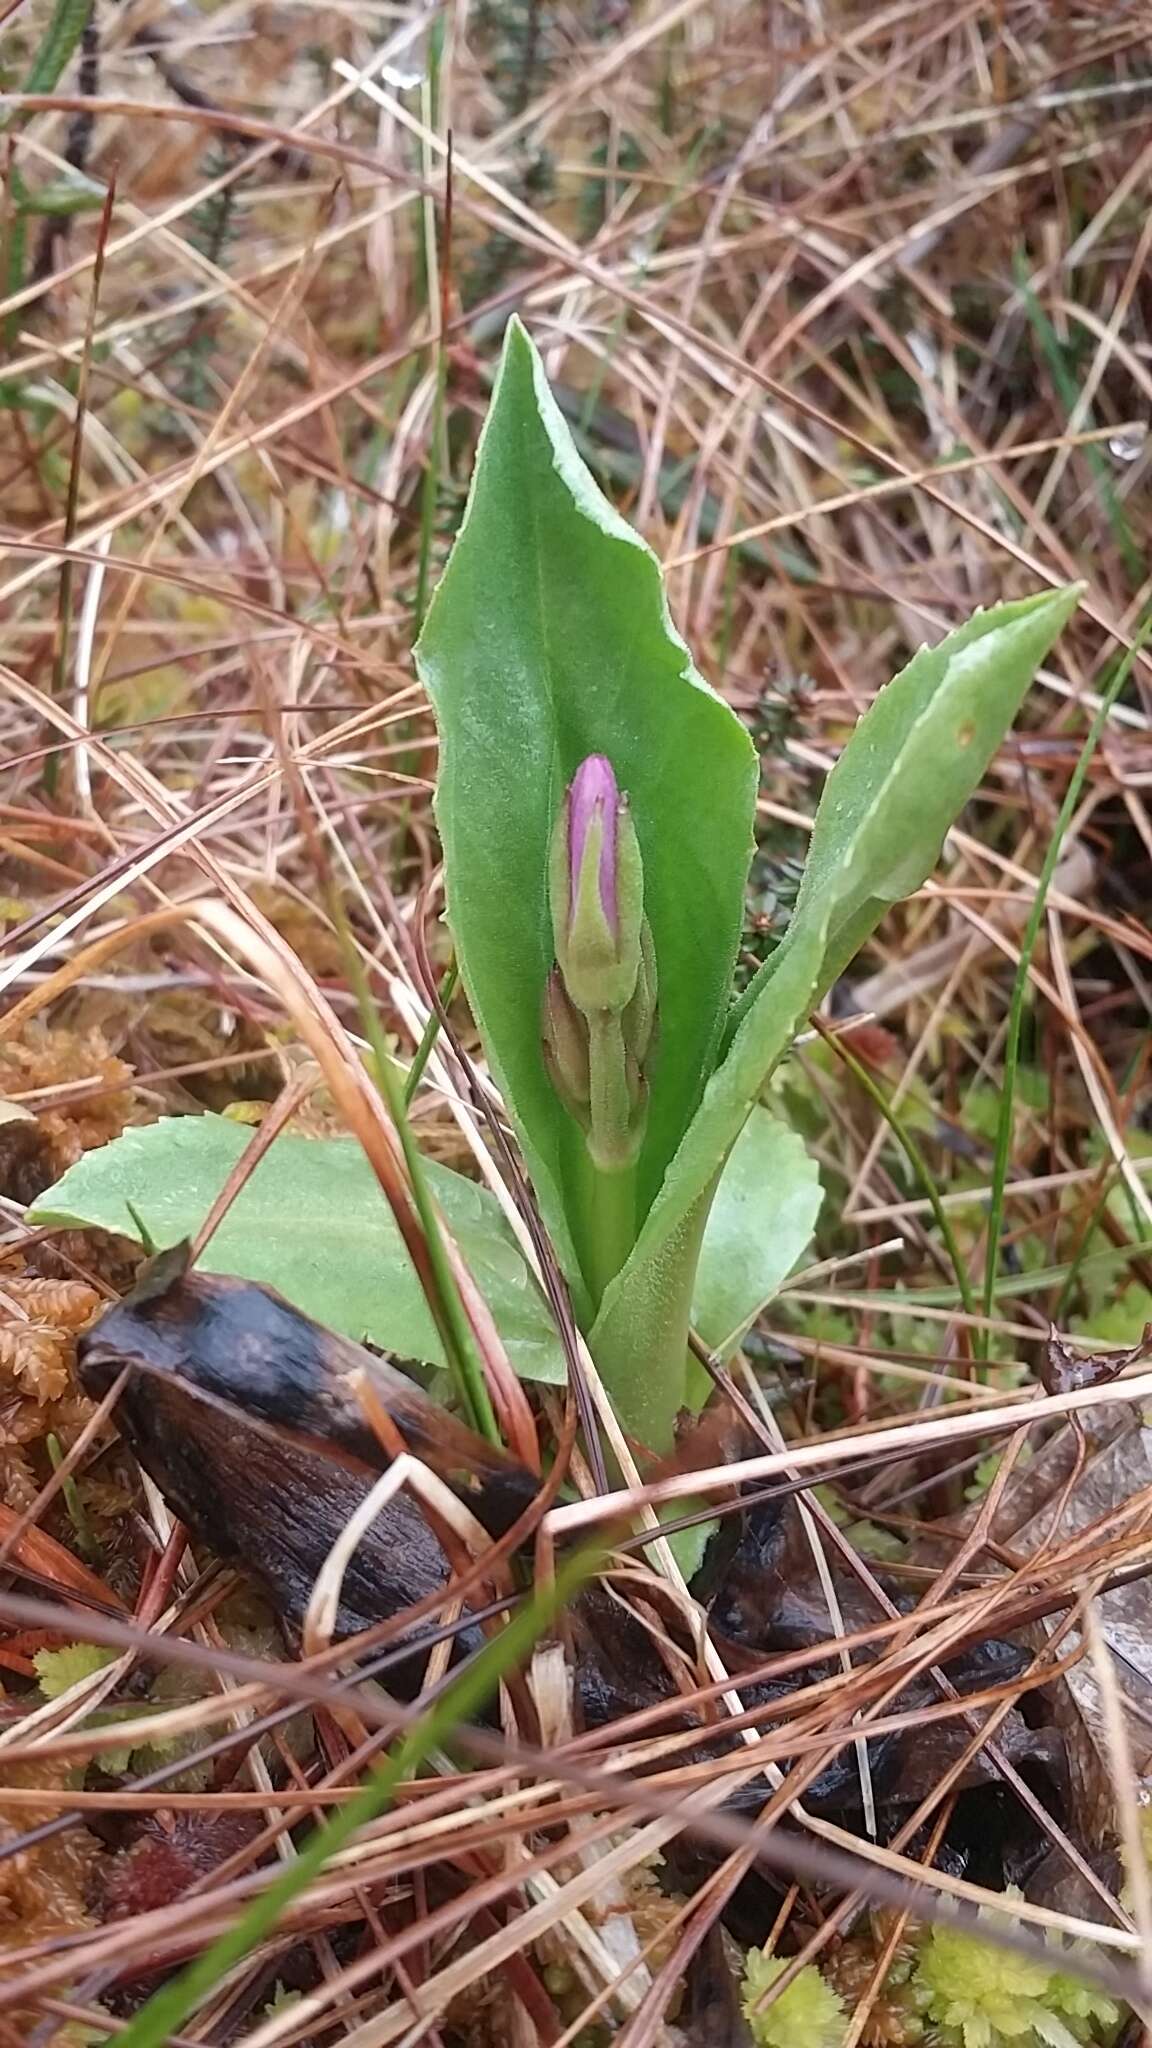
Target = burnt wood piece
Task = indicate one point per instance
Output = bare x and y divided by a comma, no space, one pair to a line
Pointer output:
245,1413
232,1340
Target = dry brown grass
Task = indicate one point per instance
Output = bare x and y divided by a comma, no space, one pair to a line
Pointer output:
849,305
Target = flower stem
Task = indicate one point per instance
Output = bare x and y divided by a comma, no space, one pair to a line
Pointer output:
609,1201
640,1342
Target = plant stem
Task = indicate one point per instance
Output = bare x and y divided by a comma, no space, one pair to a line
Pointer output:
448,1311
641,1343
429,1035
85,1541
63,32
609,1201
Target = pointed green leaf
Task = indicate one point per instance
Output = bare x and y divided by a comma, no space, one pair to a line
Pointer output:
908,770
313,1223
62,197
761,1220
914,760
549,639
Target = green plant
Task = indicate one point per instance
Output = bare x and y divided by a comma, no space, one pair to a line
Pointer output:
62,35
979,1995
807,2014
548,649
595,805
57,1671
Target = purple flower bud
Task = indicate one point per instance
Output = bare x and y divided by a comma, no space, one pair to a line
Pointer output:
599,1010
594,796
596,884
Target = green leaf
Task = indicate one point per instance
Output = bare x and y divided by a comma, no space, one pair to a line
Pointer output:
915,758
63,196
59,1670
761,1219
313,1223
760,1223
65,27
549,639
808,2014
906,773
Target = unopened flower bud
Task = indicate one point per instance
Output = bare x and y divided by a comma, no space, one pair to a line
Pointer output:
597,890
638,1023
599,1010
565,1040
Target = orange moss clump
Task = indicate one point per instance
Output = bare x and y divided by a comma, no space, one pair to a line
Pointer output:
36,1149
43,1890
39,1323
895,2019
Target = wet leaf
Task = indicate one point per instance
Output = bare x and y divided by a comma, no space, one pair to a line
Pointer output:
1063,1368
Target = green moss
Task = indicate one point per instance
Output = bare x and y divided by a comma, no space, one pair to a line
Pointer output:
807,2015
978,1995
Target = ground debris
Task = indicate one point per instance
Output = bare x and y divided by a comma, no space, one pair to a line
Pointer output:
40,1397
44,1890
168,1851
35,1151
895,2016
